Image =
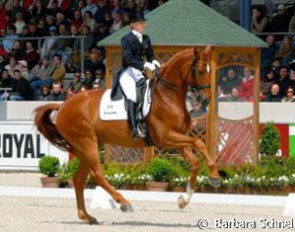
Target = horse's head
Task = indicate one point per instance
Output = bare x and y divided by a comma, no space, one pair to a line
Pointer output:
188,68
196,71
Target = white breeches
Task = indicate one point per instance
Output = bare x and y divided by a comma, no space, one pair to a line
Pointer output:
128,81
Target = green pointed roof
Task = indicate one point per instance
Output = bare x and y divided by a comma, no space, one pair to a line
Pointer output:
190,23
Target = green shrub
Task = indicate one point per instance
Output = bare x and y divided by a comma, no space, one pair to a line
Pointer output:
161,170
49,165
182,166
270,140
271,166
290,165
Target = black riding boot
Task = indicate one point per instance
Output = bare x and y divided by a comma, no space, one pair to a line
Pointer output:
132,117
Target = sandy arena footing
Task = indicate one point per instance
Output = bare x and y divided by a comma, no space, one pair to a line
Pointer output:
35,214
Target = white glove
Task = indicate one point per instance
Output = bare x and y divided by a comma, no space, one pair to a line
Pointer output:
150,66
156,63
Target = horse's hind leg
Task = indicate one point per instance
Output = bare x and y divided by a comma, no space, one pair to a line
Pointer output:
79,183
91,157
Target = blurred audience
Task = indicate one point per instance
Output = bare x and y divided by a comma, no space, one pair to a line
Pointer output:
289,95
45,62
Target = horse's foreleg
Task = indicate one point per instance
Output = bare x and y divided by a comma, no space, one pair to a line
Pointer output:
178,140
79,183
214,178
185,198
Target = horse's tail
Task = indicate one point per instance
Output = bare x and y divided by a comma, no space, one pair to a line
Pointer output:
45,125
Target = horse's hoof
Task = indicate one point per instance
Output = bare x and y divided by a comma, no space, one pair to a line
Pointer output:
93,221
214,182
127,208
182,202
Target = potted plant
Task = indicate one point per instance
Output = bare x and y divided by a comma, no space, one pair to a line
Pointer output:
162,172
49,166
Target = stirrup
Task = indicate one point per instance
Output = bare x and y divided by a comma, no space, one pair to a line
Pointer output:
141,130
135,134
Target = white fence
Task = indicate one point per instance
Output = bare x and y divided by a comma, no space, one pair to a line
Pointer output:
21,145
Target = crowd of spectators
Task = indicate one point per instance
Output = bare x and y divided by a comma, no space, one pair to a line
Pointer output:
276,86
39,44
34,69
277,80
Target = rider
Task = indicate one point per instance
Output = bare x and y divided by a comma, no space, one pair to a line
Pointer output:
137,55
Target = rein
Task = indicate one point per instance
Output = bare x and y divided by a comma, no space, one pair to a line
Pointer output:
157,77
177,88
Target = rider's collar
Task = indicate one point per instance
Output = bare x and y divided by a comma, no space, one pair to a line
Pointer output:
137,34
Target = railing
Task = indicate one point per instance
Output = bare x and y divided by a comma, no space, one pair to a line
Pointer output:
5,92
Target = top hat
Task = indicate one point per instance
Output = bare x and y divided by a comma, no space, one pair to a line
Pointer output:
137,17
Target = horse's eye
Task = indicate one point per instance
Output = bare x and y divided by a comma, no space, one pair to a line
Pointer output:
200,72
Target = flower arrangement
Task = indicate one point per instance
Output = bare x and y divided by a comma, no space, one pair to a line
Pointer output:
117,179
271,174
282,181
202,181
140,179
179,181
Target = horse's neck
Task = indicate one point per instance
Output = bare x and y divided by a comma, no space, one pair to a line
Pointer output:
169,97
172,70
173,93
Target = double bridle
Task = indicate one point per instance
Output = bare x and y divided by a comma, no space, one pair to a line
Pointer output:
192,70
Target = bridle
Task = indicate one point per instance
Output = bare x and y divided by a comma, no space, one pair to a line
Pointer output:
192,70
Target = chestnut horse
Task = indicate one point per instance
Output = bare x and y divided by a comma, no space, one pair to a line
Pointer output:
78,127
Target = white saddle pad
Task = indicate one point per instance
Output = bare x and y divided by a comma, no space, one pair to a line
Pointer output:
115,110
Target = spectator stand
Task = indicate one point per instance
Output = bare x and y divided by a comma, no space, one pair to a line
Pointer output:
231,46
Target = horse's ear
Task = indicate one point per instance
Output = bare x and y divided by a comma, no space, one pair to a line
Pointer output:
207,50
207,53
197,52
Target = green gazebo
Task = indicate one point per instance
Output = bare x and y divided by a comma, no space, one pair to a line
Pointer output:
181,24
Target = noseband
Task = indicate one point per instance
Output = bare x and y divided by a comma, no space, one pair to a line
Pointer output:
192,70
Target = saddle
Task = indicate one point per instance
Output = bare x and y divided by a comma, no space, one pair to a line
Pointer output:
111,106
